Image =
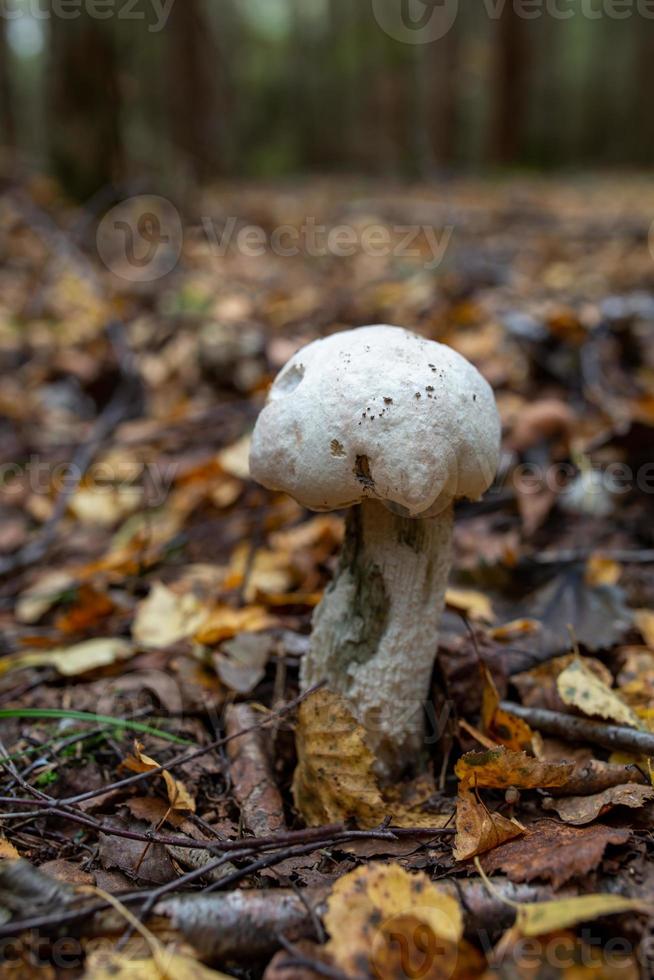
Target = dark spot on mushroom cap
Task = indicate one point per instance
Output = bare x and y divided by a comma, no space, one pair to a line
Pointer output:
388,401
362,472
336,448
429,388
417,394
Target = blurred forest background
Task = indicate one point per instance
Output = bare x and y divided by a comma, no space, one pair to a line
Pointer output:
198,89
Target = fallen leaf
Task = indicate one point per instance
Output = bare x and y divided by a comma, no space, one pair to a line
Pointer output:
164,618
475,605
104,506
514,630
578,810
224,622
539,918
580,687
72,661
42,594
644,621
602,571
335,779
379,907
267,571
537,687
7,849
241,661
178,796
502,727
553,852
164,964
479,830
502,768
235,459
89,609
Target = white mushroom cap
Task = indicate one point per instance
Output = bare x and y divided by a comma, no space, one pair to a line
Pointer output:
377,413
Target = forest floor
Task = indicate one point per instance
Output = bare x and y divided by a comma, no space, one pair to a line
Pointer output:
155,603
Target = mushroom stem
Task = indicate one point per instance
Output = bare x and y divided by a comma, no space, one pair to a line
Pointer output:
375,633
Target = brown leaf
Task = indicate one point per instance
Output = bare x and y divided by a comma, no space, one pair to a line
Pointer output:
553,852
502,727
579,810
501,768
479,830
335,778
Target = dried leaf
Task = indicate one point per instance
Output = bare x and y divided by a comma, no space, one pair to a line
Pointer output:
164,618
502,727
178,796
479,830
235,459
224,622
501,768
75,660
164,964
579,810
42,594
580,687
7,849
475,605
335,779
104,506
553,852
241,662
377,908
539,918
644,621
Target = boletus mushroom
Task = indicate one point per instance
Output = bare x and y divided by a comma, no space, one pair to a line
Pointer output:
396,428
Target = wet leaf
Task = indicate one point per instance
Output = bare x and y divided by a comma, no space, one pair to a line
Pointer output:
178,796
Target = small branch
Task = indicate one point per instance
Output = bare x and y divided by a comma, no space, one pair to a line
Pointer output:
572,728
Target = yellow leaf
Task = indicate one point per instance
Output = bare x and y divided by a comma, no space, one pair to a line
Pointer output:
269,571
164,618
335,778
72,661
235,459
515,629
106,964
377,908
105,506
7,849
580,687
178,796
501,768
539,918
48,589
475,605
503,727
479,830
224,622
602,571
644,620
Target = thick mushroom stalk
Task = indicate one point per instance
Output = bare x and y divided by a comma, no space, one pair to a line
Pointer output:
375,633
396,428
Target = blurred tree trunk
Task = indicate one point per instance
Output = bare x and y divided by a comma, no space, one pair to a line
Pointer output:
194,87
84,105
643,117
512,62
7,120
441,73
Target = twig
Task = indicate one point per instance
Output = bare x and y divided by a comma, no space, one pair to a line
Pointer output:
572,728
308,963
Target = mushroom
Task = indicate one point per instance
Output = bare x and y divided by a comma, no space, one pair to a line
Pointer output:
396,428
